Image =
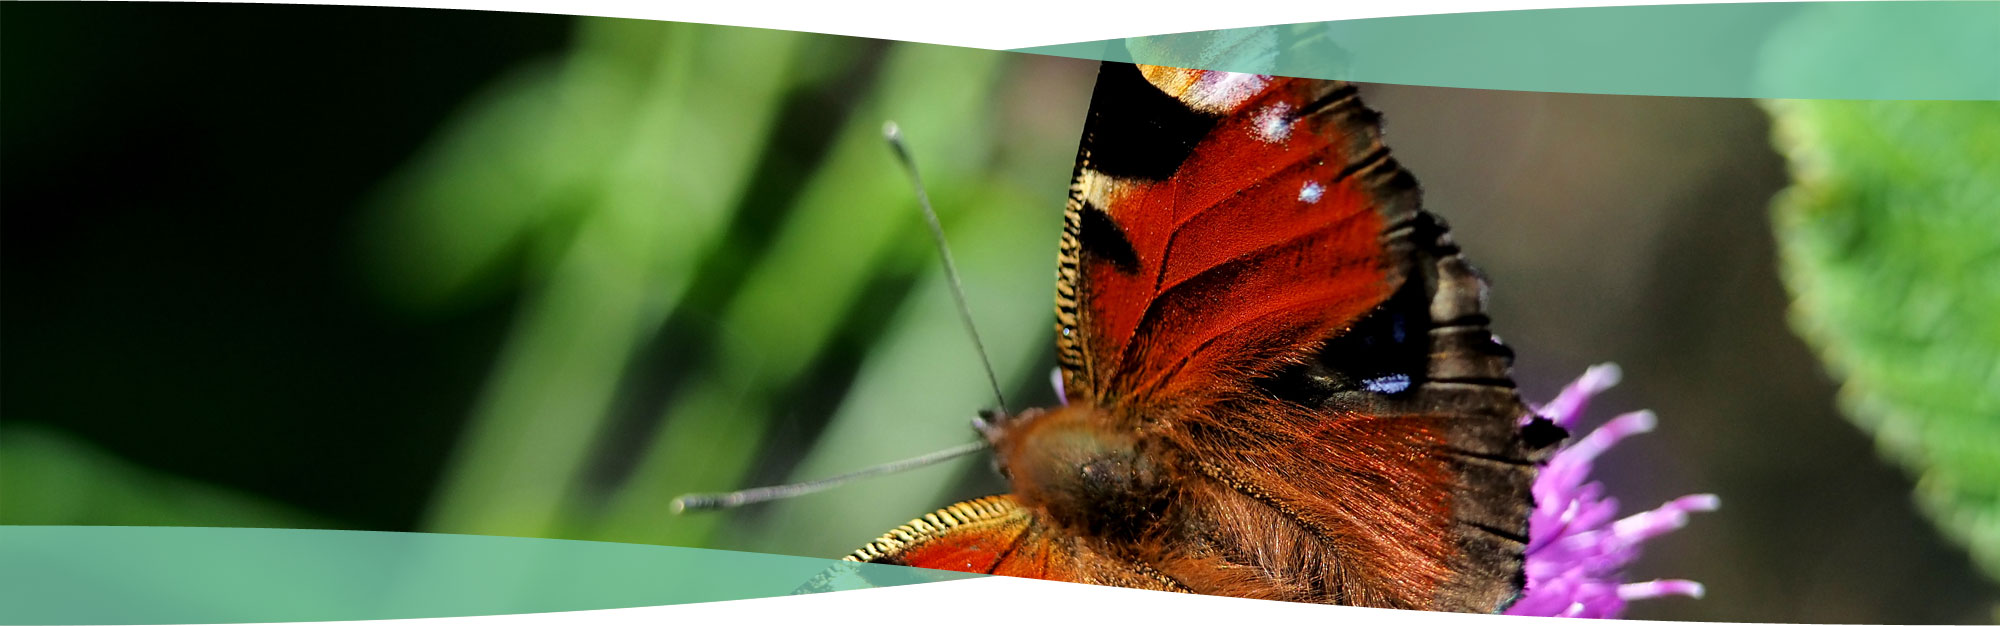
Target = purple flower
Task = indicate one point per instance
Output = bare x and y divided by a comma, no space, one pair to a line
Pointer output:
1577,549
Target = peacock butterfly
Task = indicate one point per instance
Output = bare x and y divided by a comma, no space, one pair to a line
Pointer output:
1278,377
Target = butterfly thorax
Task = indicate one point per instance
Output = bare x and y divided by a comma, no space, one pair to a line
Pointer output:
1086,469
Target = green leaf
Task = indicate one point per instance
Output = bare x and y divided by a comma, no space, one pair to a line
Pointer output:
1889,240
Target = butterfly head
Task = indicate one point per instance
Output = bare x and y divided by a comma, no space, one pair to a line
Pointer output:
1076,464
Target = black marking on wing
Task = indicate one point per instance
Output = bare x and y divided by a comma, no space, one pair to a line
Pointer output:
1486,457
1103,240
1541,434
1499,532
1135,130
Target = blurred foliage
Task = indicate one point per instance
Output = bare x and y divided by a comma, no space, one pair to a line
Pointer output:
1890,243
49,478
703,224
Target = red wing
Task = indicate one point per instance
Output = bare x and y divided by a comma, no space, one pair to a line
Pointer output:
994,535
1392,464
1219,226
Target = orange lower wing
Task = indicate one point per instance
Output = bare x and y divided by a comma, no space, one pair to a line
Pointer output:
995,535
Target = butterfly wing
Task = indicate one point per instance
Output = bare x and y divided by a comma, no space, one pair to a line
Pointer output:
1218,224
995,535
1247,284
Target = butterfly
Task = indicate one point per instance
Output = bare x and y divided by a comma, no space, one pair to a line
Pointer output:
1277,373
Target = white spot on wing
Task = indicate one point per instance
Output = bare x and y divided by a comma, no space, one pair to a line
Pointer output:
1311,192
1274,123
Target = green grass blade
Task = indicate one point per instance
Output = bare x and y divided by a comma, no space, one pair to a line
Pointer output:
626,170
852,223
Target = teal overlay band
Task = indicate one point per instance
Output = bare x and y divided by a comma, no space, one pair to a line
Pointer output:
174,575
1802,50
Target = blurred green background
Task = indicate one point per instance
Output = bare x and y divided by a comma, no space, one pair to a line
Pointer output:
529,275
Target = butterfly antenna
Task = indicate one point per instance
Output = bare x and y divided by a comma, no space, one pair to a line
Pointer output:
733,499
895,137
